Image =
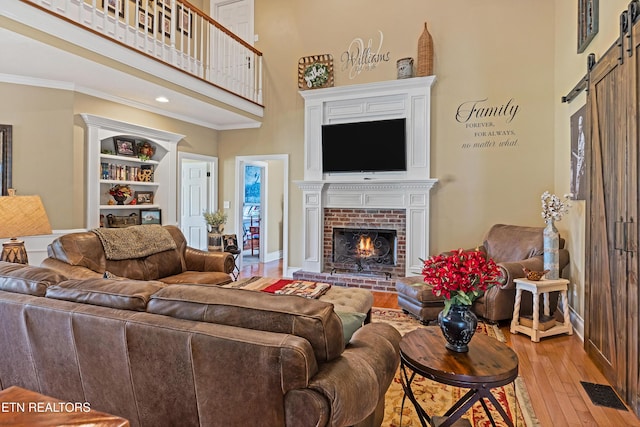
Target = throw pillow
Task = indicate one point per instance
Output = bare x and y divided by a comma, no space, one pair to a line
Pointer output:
351,322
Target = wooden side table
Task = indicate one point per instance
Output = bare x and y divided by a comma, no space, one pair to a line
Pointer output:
21,407
488,364
543,287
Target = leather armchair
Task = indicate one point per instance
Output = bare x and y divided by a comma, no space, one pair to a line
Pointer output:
513,247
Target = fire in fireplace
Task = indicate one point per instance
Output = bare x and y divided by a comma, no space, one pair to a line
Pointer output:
364,247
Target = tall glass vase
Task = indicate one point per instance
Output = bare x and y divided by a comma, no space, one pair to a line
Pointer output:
551,240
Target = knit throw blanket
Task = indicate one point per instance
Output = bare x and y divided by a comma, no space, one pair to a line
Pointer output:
134,242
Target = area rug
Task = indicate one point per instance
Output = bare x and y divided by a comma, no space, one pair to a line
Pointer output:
436,398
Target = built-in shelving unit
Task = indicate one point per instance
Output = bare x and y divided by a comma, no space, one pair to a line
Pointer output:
105,168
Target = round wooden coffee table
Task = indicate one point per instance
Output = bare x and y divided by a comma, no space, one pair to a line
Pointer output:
488,364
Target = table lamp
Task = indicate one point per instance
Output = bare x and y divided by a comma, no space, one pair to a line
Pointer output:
21,216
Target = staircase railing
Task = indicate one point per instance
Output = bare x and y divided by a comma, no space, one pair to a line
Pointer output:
174,32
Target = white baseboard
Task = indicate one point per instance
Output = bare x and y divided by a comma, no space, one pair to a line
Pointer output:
273,256
577,322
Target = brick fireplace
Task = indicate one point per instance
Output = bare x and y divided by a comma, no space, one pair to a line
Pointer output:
375,241
394,200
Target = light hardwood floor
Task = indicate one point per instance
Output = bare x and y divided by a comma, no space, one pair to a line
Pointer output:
552,370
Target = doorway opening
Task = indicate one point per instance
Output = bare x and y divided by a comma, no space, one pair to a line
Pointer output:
261,207
251,211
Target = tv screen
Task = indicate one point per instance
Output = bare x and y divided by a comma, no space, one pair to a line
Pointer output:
377,146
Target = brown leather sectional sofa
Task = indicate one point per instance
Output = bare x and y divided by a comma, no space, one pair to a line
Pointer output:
82,255
163,354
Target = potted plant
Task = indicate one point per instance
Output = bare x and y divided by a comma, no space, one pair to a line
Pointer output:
215,224
460,277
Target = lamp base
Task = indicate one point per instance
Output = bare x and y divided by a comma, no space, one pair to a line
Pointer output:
14,251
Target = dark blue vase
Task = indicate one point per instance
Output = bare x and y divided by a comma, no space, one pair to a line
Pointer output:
458,327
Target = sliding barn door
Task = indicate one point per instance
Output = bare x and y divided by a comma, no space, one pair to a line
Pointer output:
611,311
632,392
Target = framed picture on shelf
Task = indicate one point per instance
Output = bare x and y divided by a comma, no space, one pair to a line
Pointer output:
111,6
125,147
144,197
185,19
150,216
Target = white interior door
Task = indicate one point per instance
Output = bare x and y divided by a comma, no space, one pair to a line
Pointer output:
231,61
237,16
197,195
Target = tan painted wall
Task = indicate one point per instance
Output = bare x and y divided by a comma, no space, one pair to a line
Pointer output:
481,51
569,68
43,148
49,140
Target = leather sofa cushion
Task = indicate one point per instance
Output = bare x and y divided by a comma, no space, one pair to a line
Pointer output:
123,294
26,279
313,320
203,277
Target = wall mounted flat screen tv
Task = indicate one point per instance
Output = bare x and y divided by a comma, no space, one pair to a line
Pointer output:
375,146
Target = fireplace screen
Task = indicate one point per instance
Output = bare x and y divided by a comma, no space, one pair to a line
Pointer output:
364,247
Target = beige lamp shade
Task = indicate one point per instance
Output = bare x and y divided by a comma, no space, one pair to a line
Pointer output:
23,216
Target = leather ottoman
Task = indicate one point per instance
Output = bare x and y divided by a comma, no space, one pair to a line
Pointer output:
354,300
416,298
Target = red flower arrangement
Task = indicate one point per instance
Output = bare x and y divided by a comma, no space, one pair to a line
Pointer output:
460,276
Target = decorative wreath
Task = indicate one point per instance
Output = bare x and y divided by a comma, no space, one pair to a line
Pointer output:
316,75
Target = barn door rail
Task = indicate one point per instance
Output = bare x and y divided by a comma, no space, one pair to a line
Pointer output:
584,81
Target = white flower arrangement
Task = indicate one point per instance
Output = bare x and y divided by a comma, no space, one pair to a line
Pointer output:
216,219
553,208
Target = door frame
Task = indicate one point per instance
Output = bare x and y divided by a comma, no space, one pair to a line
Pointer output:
212,184
241,161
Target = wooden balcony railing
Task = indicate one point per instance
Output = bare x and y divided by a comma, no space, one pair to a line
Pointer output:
174,32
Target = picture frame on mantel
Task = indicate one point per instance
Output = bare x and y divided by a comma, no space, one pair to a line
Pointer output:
587,22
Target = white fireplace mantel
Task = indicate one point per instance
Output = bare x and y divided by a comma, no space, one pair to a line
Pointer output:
394,99
409,190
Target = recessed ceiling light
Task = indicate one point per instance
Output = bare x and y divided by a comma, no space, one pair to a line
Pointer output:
162,99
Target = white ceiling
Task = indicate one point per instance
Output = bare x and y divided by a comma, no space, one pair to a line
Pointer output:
25,60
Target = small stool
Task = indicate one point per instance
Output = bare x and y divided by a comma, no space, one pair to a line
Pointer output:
416,297
536,288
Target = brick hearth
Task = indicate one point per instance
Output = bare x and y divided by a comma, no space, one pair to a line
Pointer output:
353,280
